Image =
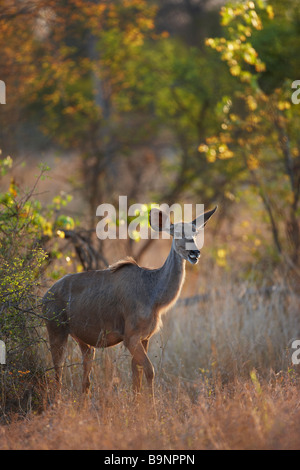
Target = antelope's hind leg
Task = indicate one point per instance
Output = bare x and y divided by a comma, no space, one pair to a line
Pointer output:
58,338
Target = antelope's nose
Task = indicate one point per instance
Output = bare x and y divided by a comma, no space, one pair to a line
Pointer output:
195,253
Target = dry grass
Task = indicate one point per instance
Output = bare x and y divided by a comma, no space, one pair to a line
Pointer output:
244,415
224,380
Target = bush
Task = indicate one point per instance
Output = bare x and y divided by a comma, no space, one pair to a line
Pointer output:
25,229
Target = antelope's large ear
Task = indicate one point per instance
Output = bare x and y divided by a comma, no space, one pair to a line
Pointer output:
160,221
202,220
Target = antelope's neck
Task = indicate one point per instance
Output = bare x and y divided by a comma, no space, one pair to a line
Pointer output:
170,279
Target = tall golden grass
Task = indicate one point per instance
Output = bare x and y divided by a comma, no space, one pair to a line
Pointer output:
224,380
247,414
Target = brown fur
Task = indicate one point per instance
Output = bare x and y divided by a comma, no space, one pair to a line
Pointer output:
121,263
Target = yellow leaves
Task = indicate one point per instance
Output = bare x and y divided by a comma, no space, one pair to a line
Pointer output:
221,253
256,119
233,117
252,162
221,257
134,37
209,42
260,66
224,152
255,20
251,103
246,10
227,106
282,105
100,8
235,70
12,189
47,229
147,23
270,12
211,155
250,55
60,234
8,161
212,140
245,224
133,3
237,50
203,148
229,195
70,110
216,147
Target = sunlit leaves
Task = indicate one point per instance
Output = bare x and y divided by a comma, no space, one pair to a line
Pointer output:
57,51
26,225
22,213
260,127
243,11
65,222
252,162
5,165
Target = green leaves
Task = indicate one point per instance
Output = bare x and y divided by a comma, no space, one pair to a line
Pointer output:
26,225
65,222
5,165
261,125
236,49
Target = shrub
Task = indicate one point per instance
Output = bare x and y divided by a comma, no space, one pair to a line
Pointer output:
25,229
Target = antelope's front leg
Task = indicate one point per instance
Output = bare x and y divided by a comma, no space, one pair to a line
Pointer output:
140,363
137,370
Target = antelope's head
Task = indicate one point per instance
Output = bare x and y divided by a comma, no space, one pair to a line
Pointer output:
188,237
